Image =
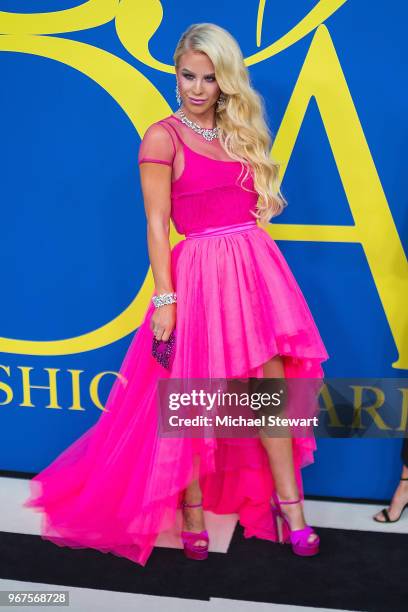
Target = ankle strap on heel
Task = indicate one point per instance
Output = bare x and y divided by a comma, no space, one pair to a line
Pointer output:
186,505
276,499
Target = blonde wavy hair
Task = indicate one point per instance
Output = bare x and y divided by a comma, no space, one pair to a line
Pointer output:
243,131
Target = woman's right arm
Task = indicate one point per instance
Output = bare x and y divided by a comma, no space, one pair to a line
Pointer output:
156,188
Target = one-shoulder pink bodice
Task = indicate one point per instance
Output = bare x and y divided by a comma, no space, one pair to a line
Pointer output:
207,193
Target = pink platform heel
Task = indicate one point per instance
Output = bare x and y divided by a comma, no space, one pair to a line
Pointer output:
297,537
192,550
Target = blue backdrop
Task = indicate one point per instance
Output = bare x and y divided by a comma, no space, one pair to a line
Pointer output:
80,84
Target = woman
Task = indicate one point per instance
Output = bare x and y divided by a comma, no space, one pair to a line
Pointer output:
399,501
237,311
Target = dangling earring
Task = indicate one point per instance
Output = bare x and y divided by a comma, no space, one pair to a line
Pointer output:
178,98
220,104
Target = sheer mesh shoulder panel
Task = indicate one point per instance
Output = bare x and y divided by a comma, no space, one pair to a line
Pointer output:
178,160
165,140
196,142
157,146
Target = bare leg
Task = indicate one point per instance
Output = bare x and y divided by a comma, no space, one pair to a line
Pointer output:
399,499
193,518
280,455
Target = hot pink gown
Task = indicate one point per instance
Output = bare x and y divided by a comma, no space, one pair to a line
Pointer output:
120,484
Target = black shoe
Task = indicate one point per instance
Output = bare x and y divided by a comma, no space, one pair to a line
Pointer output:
387,516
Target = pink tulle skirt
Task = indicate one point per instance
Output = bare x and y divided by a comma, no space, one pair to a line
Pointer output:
119,486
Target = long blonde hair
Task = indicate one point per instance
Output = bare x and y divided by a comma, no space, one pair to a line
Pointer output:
243,131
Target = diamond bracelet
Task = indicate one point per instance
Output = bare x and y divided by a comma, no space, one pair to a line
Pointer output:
164,298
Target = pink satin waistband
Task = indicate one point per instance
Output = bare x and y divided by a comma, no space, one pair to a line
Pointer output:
223,229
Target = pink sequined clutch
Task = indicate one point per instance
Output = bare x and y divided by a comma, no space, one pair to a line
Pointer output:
163,350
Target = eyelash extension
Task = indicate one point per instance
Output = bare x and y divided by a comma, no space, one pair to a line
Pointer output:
189,75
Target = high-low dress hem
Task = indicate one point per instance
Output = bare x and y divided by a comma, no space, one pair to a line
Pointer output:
96,481
120,485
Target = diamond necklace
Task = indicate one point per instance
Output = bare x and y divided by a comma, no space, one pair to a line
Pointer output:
208,133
